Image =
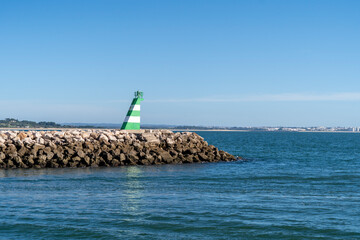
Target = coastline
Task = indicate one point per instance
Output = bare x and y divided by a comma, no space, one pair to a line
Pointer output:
170,129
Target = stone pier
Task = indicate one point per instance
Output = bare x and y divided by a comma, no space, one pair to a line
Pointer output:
97,148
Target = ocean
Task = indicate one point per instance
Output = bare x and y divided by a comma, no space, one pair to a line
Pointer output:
290,186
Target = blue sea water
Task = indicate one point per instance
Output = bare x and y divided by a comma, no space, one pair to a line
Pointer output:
291,186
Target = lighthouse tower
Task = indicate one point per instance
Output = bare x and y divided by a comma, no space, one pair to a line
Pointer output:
132,119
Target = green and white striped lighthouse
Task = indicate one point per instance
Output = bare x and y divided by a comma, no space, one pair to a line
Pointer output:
132,119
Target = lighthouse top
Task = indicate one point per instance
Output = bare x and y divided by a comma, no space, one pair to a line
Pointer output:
139,94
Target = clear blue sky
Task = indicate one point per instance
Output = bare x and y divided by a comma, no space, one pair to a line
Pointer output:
224,63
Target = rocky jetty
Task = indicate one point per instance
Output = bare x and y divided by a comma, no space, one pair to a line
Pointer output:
96,148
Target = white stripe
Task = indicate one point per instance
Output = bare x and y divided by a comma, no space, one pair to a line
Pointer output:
132,119
135,107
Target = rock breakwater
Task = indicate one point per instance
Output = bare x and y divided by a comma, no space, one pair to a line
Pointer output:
96,148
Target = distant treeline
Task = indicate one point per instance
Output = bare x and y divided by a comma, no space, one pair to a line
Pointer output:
15,123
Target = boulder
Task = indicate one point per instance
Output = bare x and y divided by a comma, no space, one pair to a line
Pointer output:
22,135
165,156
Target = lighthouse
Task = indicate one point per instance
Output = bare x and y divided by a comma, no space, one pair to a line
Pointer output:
132,119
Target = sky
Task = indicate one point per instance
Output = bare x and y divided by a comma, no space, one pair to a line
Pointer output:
198,62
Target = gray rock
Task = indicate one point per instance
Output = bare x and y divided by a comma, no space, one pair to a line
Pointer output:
103,138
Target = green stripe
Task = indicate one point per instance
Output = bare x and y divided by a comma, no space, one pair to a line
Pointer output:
136,101
133,113
130,126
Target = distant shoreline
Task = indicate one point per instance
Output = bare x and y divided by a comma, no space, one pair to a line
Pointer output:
230,130
177,130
